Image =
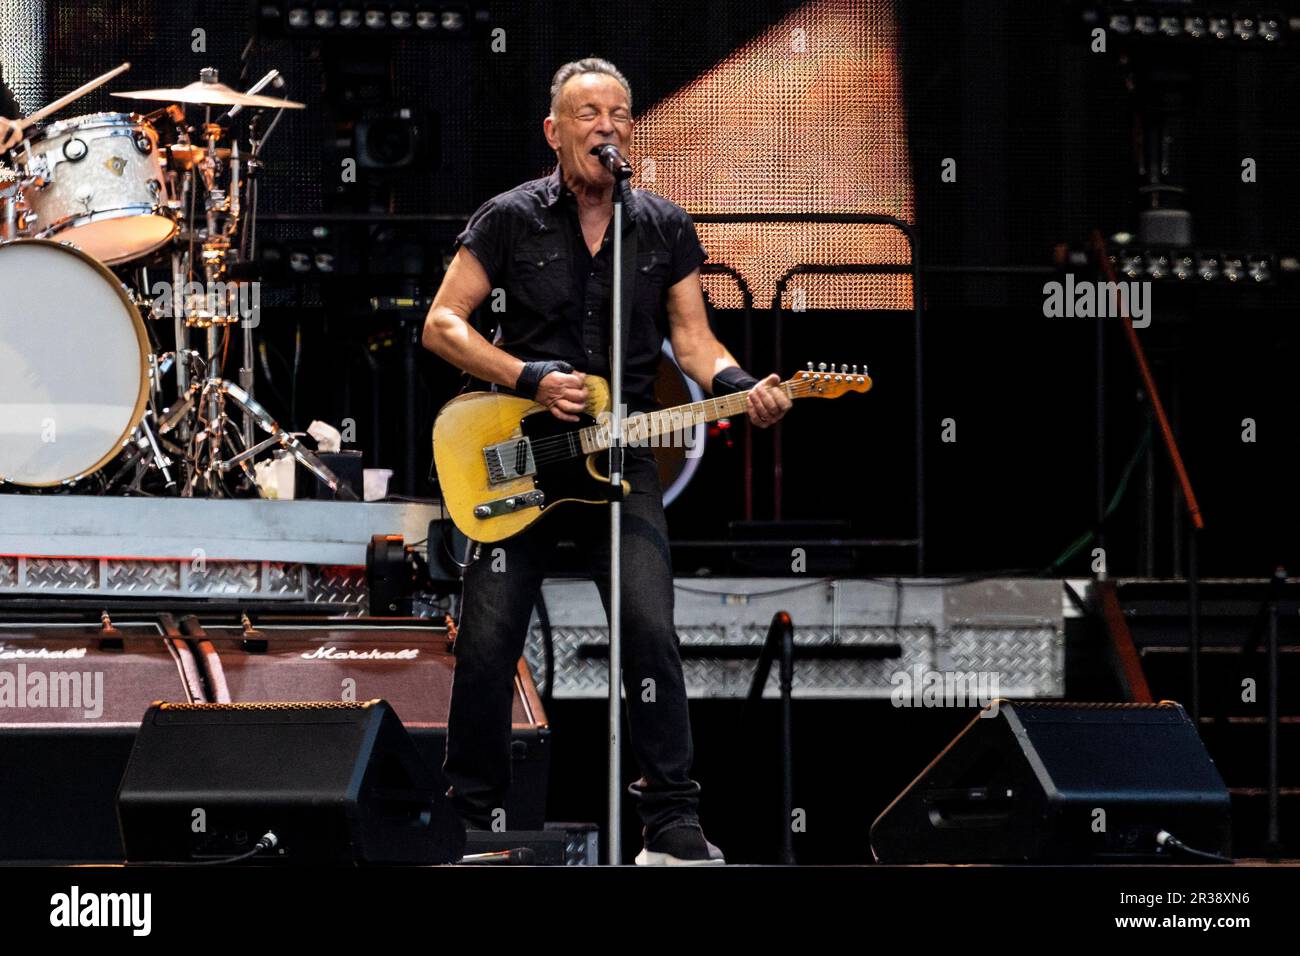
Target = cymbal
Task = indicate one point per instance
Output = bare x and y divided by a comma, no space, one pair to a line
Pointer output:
186,156
211,94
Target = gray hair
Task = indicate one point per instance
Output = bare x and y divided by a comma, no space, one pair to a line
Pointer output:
591,64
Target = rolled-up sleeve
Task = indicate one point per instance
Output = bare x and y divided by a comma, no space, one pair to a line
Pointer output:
485,236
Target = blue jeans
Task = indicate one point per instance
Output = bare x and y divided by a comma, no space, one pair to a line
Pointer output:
495,613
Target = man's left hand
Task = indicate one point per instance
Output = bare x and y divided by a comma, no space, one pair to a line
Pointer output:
765,403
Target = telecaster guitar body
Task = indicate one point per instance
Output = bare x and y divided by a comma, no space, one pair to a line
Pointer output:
479,427
504,461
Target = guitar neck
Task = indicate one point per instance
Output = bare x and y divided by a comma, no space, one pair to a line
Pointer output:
640,429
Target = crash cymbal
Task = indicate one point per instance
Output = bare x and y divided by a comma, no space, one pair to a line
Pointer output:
211,94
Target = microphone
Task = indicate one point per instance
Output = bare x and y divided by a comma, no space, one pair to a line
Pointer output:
613,160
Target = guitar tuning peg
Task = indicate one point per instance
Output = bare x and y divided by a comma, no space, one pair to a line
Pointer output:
810,368
843,369
855,369
821,366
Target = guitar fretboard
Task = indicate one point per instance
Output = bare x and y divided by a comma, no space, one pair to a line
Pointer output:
653,426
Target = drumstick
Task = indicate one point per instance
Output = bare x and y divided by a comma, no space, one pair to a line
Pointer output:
63,101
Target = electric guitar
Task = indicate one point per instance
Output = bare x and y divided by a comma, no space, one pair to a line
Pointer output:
504,461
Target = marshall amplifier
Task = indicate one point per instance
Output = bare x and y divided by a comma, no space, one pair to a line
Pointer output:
71,699
1052,782
406,662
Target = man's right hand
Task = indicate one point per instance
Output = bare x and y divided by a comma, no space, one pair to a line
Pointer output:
564,394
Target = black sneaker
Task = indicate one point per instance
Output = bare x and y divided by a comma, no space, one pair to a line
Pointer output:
680,846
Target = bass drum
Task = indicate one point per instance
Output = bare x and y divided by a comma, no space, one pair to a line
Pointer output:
74,367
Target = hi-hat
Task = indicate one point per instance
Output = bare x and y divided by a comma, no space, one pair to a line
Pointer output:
211,94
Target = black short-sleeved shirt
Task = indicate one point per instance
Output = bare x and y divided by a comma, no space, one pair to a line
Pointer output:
556,299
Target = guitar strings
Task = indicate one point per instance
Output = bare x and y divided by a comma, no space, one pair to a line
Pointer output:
559,447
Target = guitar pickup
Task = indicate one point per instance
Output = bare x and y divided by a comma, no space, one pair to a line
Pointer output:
505,506
509,460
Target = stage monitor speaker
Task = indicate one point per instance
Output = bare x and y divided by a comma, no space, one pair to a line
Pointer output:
408,663
335,782
1053,782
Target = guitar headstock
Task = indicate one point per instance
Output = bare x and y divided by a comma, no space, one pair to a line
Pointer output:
830,381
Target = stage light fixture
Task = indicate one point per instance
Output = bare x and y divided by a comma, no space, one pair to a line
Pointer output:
1269,30
350,18
1171,26
1220,27
1207,267
1121,23
426,19
1157,266
1184,267
1131,264
1195,27
325,18
299,18
401,19
1244,28
453,20
1234,269
1146,24
1260,270
376,19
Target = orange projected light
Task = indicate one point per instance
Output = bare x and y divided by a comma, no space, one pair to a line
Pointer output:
807,117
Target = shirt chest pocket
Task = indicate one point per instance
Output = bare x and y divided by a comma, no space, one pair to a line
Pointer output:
541,275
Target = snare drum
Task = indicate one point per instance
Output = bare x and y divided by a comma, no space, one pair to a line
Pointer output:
99,183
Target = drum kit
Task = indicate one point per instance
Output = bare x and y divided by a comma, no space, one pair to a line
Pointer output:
126,241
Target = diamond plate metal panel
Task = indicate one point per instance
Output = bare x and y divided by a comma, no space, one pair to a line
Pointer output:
339,585
1029,660
1005,627
142,577
284,580
8,572
225,577
62,574
579,674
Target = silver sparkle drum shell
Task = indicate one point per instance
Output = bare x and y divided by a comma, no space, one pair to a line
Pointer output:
98,182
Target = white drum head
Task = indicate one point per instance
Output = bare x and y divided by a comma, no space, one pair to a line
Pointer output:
73,364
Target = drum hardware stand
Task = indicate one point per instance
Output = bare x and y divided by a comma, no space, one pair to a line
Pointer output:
212,394
146,454
203,393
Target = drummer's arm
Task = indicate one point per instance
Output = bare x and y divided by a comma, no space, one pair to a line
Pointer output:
10,134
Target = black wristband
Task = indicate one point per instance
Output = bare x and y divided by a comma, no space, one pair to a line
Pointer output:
733,379
531,377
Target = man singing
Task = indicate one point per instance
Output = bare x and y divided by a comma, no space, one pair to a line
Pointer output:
547,245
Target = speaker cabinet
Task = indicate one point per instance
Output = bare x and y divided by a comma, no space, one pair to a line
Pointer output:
334,782
1050,782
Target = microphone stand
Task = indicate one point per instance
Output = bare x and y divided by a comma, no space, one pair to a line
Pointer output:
622,171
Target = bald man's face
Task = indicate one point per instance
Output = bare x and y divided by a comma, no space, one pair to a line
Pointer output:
593,110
